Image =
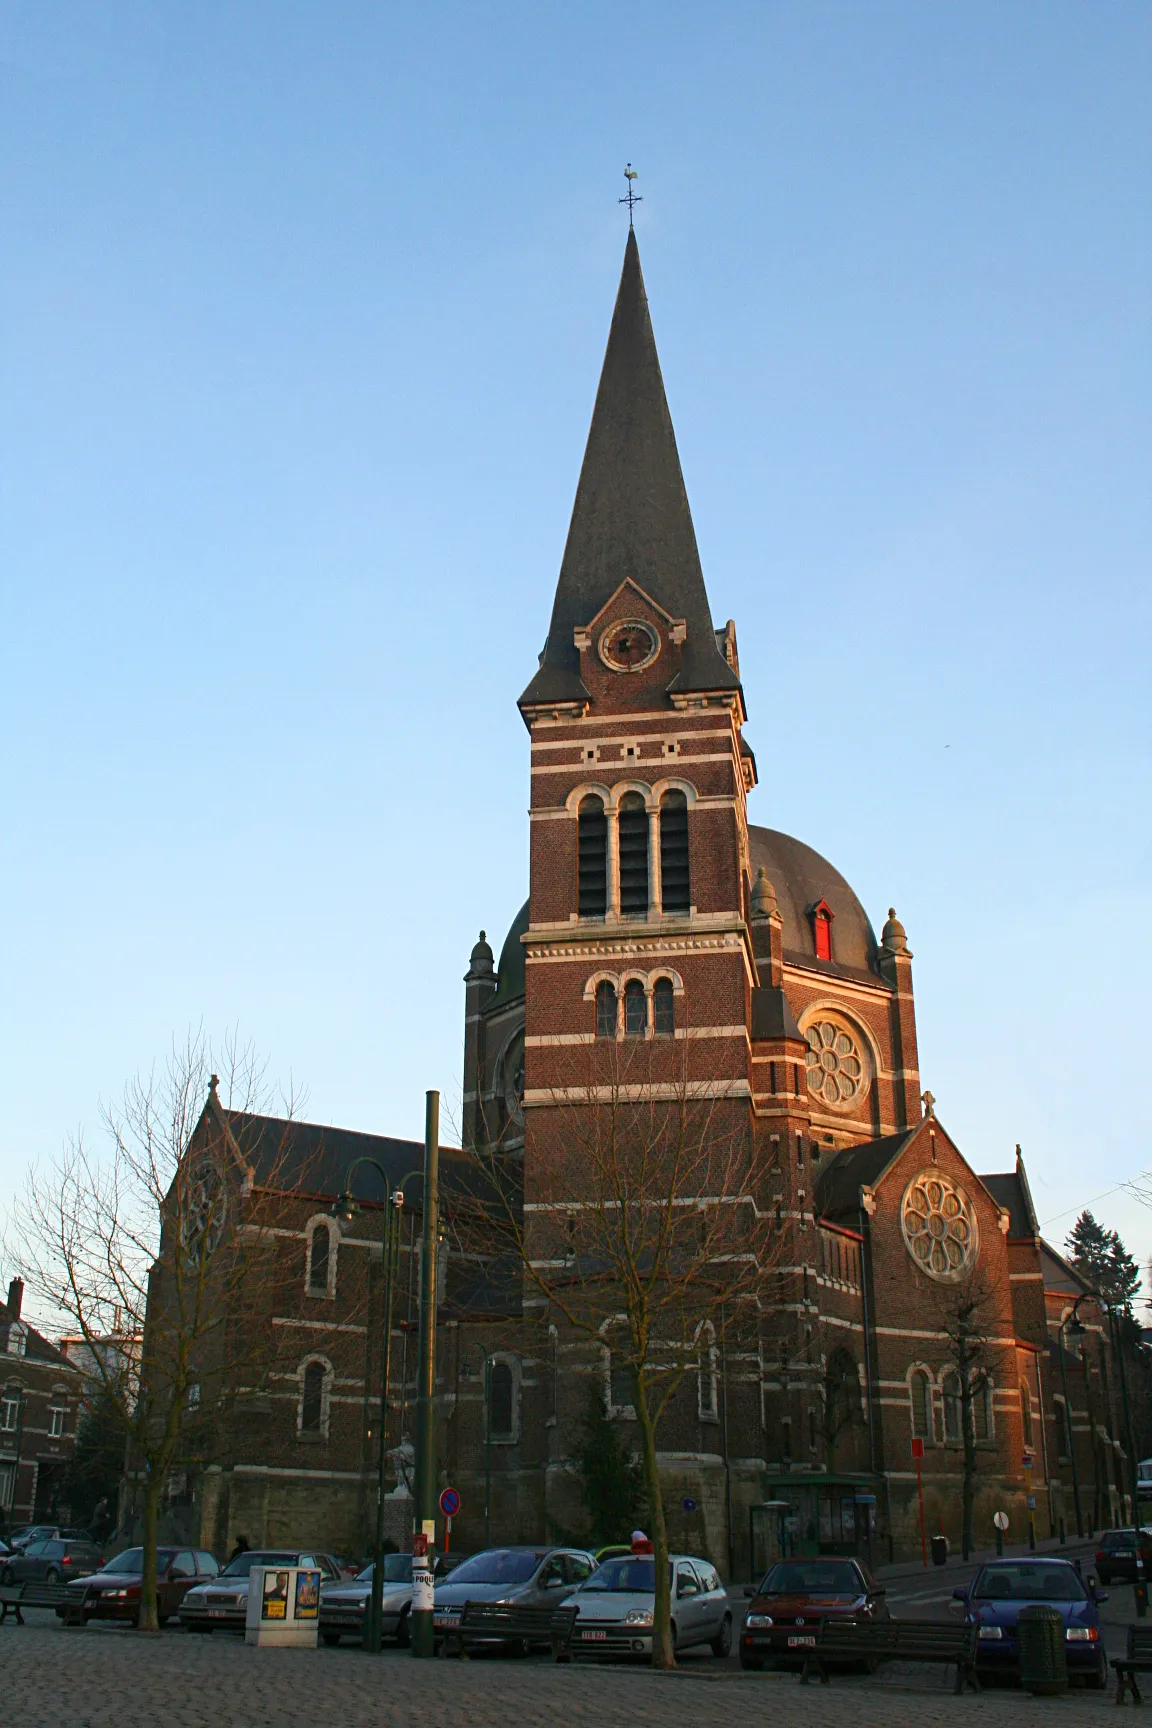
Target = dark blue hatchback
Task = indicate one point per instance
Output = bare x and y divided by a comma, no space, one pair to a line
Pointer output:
999,1591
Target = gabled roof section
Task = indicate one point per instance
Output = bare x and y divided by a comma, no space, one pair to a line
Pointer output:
838,1190
1060,1275
631,516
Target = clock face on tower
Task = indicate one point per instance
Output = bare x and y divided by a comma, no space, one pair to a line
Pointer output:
629,646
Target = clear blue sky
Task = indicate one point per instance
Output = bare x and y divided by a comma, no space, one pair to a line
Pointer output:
301,314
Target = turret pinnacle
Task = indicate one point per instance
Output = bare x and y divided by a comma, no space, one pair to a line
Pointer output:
631,517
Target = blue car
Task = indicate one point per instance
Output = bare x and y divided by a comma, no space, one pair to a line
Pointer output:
994,1598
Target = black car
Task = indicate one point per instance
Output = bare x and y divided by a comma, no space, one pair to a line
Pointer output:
26,1534
53,1562
1118,1554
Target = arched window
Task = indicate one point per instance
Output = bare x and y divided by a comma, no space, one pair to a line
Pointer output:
621,1386
921,1405
663,1012
592,849
501,1402
675,878
1063,1429
319,1251
1026,1413
635,1009
633,824
982,1408
605,1010
822,916
953,1430
312,1400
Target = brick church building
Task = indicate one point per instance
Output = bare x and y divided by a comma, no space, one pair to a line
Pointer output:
658,912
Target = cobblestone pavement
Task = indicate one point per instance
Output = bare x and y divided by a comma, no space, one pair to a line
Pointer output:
111,1678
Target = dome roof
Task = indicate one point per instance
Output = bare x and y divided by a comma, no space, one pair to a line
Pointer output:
511,967
802,879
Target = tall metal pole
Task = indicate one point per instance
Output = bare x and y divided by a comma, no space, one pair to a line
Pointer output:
392,1218
487,1451
1117,1329
423,1643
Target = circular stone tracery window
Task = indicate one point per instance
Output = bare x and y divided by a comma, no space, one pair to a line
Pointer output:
939,1225
835,1066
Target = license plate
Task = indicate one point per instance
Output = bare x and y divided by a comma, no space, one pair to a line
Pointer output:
445,1621
807,1642
216,1613
600,1636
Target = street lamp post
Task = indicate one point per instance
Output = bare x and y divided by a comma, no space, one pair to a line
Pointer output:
423,1639
1116,1327
1071,1323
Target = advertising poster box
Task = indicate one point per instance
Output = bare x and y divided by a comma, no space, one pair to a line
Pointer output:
283,1606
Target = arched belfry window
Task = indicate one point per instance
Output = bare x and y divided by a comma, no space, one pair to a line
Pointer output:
635,1009
319,1255
663,1013
822,916
605,1010
592,849
314,1388
633,819
675,883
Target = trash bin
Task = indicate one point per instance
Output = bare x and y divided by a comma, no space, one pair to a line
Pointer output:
1043,1658
939,1550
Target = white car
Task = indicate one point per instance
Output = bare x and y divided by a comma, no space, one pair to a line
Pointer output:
614,1607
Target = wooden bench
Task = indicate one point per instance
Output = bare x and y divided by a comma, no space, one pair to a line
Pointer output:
524,1624
14,1597
1137,1661
942,1641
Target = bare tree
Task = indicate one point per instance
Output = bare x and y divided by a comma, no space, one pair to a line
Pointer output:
967,1316
159,1239
646,1225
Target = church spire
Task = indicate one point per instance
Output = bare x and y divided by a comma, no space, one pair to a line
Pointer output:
631,517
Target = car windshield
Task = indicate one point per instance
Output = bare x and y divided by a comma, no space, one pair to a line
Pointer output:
631,1574
1119,1538
132,1560
812,1578
498,1566
397,1570
1025,1582
243,1563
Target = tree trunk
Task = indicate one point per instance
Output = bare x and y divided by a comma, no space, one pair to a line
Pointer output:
148,1621
968,1418
663,1649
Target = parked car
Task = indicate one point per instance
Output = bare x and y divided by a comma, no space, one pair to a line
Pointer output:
113,1592
615,1606
344,1605
792,1599
26,1534
224,1600
999,1590
1118,1553
539,1576
52,1561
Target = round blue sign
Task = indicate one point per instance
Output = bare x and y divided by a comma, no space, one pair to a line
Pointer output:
449,1502
689,1505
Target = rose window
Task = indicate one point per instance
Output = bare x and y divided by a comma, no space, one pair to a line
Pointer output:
939,1225
835,1067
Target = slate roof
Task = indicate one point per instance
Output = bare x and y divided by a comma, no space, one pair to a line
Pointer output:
314,1158
838,1189
772,1015
512,967
631,516
1009,1192
802,878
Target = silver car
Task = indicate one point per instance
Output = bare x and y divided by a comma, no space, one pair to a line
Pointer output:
614,1607
343,1606
224,1602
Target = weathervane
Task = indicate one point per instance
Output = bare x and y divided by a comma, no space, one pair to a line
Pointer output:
633,198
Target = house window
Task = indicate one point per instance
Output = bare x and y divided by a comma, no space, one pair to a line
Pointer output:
312,1400
982,1409
553,1384
55,1422
1063,1430
192,1398
633,826
1026,1413
786,1438
707,1376
7,1486
953,1431
319,1251
822,929
675,884
605,1010
921,1405
592,850
663,1010
621,1386
635,1009
501,1401
10,1412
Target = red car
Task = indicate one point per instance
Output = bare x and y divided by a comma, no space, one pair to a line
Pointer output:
113,1593
794,1596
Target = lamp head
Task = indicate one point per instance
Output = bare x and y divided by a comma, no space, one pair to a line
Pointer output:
1075,1326
344,1208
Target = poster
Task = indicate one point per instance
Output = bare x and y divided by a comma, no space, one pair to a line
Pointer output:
307,1595
275,1603
423,1593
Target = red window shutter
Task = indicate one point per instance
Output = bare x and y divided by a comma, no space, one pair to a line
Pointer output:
822,930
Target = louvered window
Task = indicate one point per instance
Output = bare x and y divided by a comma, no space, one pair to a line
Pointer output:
593,858
663,1021
675,884
605,1010
635,1009
633,856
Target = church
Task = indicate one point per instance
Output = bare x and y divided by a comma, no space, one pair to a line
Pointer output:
657,912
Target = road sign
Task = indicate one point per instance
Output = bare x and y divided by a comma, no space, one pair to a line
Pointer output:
917,1447
689,1505
419,1545
450,1503
1028,1460
1000,1519
1031,1502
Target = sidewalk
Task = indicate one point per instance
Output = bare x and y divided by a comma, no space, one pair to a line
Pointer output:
1075,1548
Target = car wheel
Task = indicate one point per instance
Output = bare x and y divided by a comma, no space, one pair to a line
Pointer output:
403,1630
722,1643
330,1637
8,1576
52,1576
